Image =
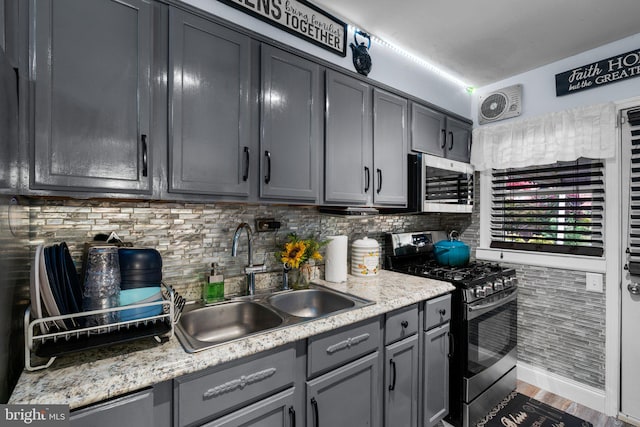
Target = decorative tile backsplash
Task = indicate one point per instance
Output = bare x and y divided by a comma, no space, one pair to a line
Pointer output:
561,327
191,236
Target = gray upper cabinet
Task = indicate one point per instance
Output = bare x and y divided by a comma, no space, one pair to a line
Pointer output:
366,144
290,126
433,132
8,125
458,140
428,131
390,148
348,142
209,83
91,74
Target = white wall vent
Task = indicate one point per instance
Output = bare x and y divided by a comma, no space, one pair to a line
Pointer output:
500,104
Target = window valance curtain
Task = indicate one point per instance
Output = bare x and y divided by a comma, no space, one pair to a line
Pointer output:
554,137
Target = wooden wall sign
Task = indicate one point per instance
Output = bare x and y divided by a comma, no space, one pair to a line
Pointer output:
610,70
299,18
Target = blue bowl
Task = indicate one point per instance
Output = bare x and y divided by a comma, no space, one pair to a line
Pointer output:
140,296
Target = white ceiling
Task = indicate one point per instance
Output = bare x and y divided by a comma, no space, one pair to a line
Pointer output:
486,41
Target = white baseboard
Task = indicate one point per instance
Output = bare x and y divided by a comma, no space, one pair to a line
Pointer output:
583,394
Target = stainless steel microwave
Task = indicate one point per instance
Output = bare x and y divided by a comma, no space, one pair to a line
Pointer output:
437,184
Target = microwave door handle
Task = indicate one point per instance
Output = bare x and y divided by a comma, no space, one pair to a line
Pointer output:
473,312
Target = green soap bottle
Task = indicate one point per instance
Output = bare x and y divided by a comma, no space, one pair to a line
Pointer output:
213,290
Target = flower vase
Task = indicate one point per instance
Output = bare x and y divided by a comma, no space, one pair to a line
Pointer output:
301,277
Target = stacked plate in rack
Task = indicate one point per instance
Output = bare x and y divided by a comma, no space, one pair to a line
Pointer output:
55,286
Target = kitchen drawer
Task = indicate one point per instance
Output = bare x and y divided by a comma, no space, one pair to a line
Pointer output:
134,409
336,348
437,311
200,397
400,324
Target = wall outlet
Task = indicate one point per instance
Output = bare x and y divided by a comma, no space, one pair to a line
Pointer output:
267,224
594,282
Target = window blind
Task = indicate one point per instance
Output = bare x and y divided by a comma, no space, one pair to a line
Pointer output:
634,211
556,208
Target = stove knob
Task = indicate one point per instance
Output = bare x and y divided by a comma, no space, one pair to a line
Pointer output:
488,288
514,281
479,292
507,282
497,285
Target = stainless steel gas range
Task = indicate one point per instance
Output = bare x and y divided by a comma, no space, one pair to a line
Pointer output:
483,323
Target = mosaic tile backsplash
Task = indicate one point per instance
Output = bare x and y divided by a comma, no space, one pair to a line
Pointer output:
561,327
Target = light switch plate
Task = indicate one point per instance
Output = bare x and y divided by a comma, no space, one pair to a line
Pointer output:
594,282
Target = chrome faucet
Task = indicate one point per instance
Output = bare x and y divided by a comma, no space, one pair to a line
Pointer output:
250,270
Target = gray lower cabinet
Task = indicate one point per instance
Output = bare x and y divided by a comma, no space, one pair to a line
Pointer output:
146,408
366,144
435,133
91,95
290,126
401,383
209,114
275,411
347,396
435,362
205,396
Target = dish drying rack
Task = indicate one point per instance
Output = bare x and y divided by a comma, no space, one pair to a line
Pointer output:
47,342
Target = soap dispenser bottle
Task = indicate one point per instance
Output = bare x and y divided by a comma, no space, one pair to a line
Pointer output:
213,290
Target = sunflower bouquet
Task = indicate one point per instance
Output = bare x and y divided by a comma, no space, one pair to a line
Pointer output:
296,256
298,251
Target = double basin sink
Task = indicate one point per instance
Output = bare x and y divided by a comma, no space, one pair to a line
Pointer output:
202,327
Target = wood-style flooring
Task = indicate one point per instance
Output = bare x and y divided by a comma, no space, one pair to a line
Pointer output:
596,418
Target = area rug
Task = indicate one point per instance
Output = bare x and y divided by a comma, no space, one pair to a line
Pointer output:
518,410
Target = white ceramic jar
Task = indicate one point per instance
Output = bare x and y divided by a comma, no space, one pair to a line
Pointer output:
365,257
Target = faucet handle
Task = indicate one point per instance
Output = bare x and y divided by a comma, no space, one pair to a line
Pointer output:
258,268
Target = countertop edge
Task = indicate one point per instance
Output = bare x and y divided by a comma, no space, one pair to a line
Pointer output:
98,375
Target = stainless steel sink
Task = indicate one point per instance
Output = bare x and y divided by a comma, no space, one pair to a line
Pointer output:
201,327
206,326
310,303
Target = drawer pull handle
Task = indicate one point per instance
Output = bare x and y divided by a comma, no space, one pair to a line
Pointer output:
404,323
442,312
239,383
348,343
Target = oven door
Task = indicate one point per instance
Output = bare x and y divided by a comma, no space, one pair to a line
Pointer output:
491,339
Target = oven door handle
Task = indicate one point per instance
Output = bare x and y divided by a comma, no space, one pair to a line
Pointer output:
479,310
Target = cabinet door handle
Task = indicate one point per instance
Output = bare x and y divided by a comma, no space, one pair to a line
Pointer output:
444,138
145,156
316,414
451,145
392,386
367,179
245,175
267,177
404,323
379,171
451,345
292,416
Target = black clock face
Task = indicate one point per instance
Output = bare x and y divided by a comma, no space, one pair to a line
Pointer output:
362,62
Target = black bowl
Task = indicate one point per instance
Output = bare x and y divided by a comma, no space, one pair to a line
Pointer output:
139,259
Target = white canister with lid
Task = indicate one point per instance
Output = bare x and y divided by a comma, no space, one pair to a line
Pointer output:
365,257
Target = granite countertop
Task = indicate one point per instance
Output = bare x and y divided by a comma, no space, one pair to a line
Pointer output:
91,376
